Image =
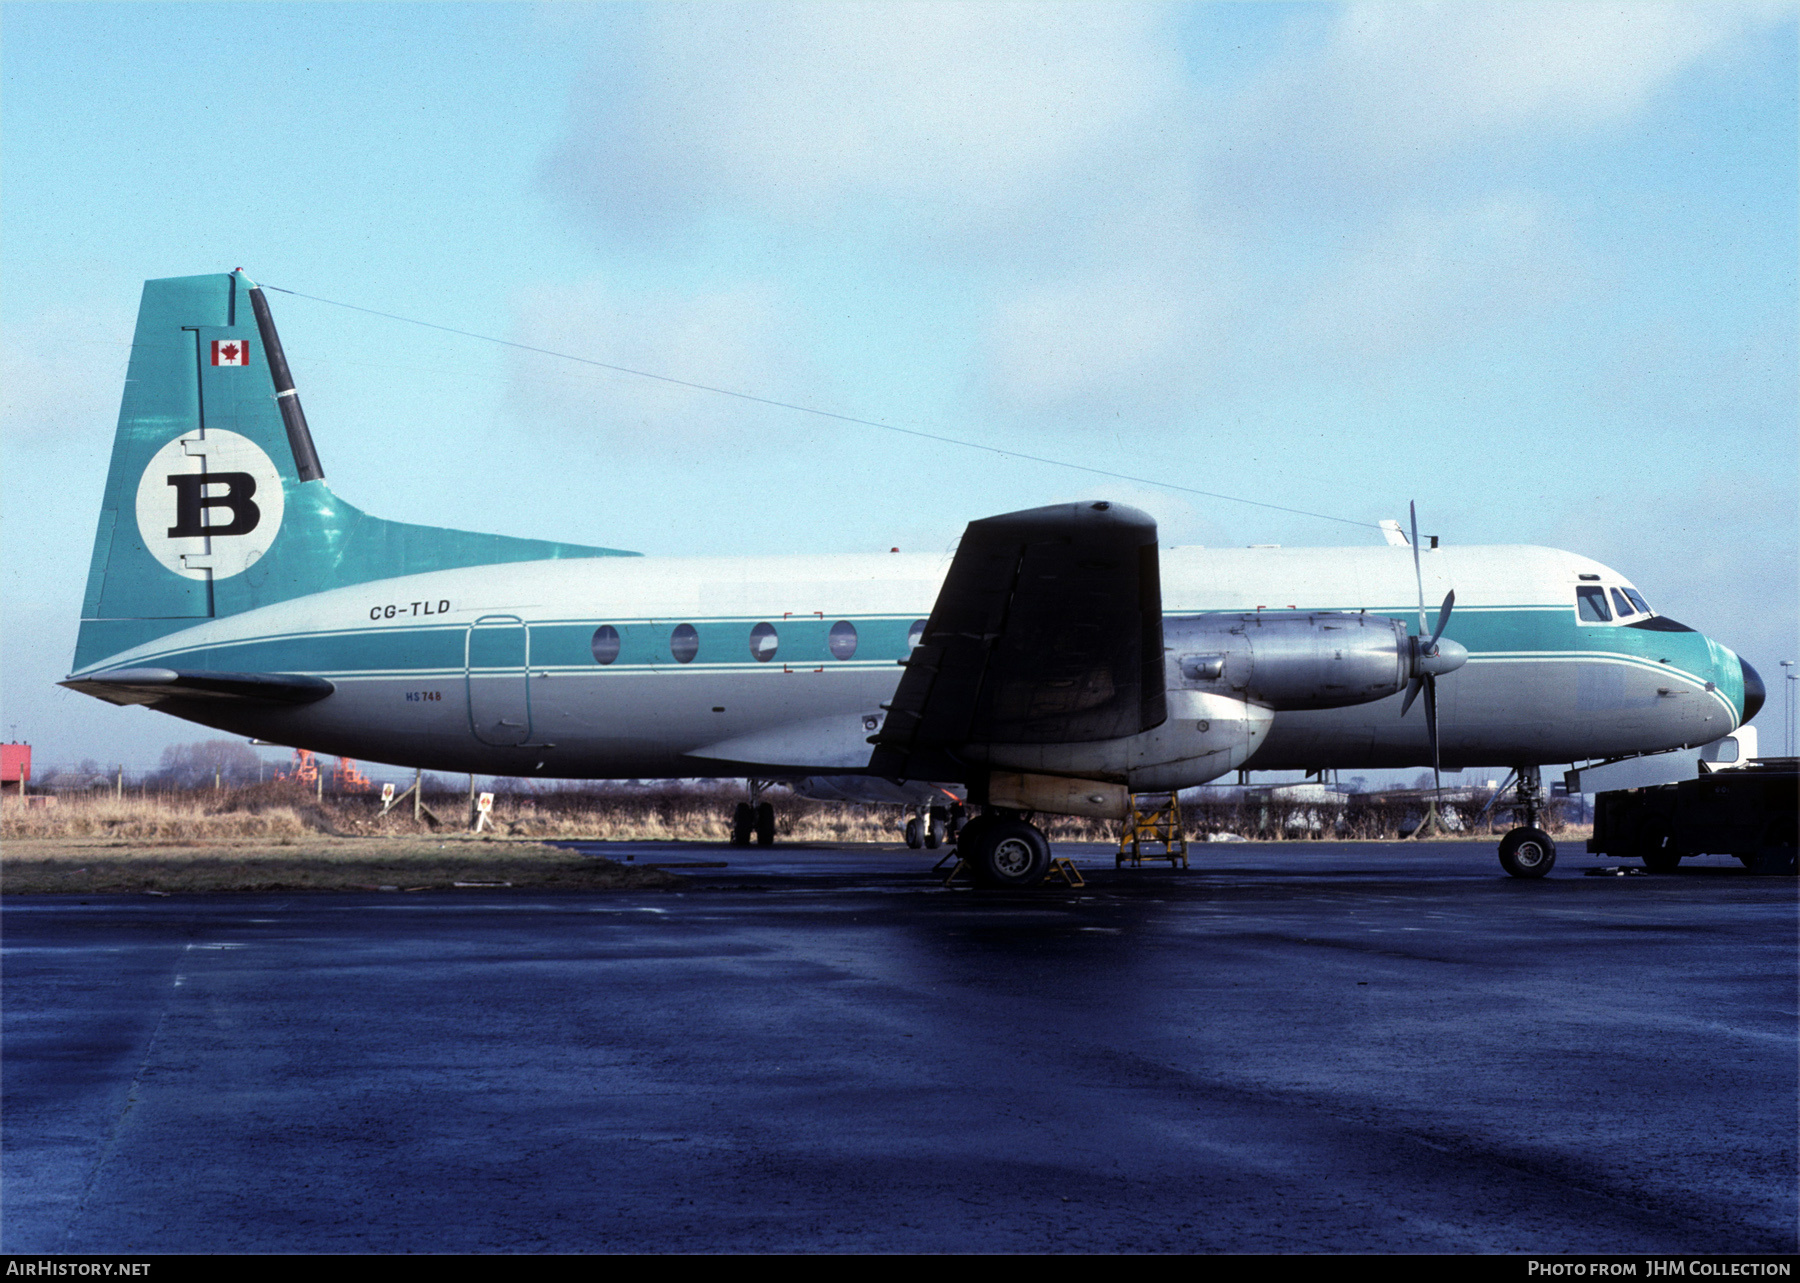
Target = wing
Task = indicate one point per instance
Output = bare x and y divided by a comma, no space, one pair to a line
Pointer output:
1048,629
154,685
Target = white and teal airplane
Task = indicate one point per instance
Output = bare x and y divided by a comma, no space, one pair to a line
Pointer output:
1056,663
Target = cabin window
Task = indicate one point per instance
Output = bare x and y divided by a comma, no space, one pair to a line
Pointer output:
1624,607
684,643
605,644
1591,607
843,639
763,643
915,634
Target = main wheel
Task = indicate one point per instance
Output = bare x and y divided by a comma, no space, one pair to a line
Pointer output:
913,840
1008,853
743,819
765,824
935,822
1527,853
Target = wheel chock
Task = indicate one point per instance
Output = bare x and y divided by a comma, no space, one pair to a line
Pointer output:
1063,867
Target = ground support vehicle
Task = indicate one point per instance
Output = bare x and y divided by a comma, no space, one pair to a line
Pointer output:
1751,812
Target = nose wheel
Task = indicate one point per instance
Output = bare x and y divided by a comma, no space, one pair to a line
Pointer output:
1527,853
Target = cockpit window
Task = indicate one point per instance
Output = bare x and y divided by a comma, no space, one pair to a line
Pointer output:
1637,600
1590,605
1624,607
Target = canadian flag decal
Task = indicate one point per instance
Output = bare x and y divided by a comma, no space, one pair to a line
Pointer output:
231,352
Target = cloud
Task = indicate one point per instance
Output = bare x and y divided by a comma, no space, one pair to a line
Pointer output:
61,377
1129,343
731,338
1392,87
1128,238
1431,280
799,113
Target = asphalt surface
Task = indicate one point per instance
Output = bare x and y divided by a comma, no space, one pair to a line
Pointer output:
1309,1047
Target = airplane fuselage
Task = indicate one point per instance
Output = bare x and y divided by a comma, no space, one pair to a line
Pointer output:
615,667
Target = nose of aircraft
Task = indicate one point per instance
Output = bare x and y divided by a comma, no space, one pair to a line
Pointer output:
1754,691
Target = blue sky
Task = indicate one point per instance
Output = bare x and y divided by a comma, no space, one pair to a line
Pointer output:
1533,266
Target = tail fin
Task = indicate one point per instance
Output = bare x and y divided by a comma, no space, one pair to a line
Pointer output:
216,502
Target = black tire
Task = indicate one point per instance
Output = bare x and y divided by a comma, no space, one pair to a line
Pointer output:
1659,854
1008,854
1527,853
743,819
913,840
765,824
1773,861
935,822
969,836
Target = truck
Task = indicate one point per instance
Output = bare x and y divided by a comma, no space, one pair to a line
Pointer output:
1718,799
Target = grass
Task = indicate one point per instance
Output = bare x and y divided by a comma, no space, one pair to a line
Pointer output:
97,865
282,837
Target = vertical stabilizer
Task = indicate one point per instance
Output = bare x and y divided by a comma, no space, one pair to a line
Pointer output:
216,502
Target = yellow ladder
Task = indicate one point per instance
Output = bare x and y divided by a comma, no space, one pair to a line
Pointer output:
1154,821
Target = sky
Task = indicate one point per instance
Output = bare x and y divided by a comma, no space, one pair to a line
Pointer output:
1532,266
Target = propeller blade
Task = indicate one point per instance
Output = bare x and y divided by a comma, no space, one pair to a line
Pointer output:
1443,618
1418,574
1431,729
1412,693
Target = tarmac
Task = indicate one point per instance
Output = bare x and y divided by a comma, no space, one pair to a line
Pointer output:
1308,1047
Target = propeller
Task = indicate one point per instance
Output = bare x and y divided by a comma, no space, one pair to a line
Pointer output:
1431,657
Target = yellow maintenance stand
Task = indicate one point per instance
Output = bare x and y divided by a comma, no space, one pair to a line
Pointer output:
1154,821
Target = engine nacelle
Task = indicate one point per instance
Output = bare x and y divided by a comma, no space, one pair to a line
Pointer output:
1227,676
1205,736
1293,660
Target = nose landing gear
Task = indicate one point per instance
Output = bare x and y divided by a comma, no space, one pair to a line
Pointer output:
1528,851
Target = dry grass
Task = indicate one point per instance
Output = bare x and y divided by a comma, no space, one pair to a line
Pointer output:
30,866
282,837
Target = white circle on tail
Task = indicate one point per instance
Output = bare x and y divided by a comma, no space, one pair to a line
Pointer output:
209,500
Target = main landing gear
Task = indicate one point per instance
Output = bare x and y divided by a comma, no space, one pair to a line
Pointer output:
1004,851
753,817
931,827
1528,851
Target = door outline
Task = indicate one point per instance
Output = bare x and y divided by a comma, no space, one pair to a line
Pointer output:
498,702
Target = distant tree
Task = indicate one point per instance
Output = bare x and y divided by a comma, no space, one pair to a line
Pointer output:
188,766
1358,784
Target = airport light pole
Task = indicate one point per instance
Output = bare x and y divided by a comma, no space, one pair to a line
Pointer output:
1787,708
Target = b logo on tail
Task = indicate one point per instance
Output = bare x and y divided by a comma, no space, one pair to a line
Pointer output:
209,502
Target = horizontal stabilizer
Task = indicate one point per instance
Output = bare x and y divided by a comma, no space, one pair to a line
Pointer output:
154,685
